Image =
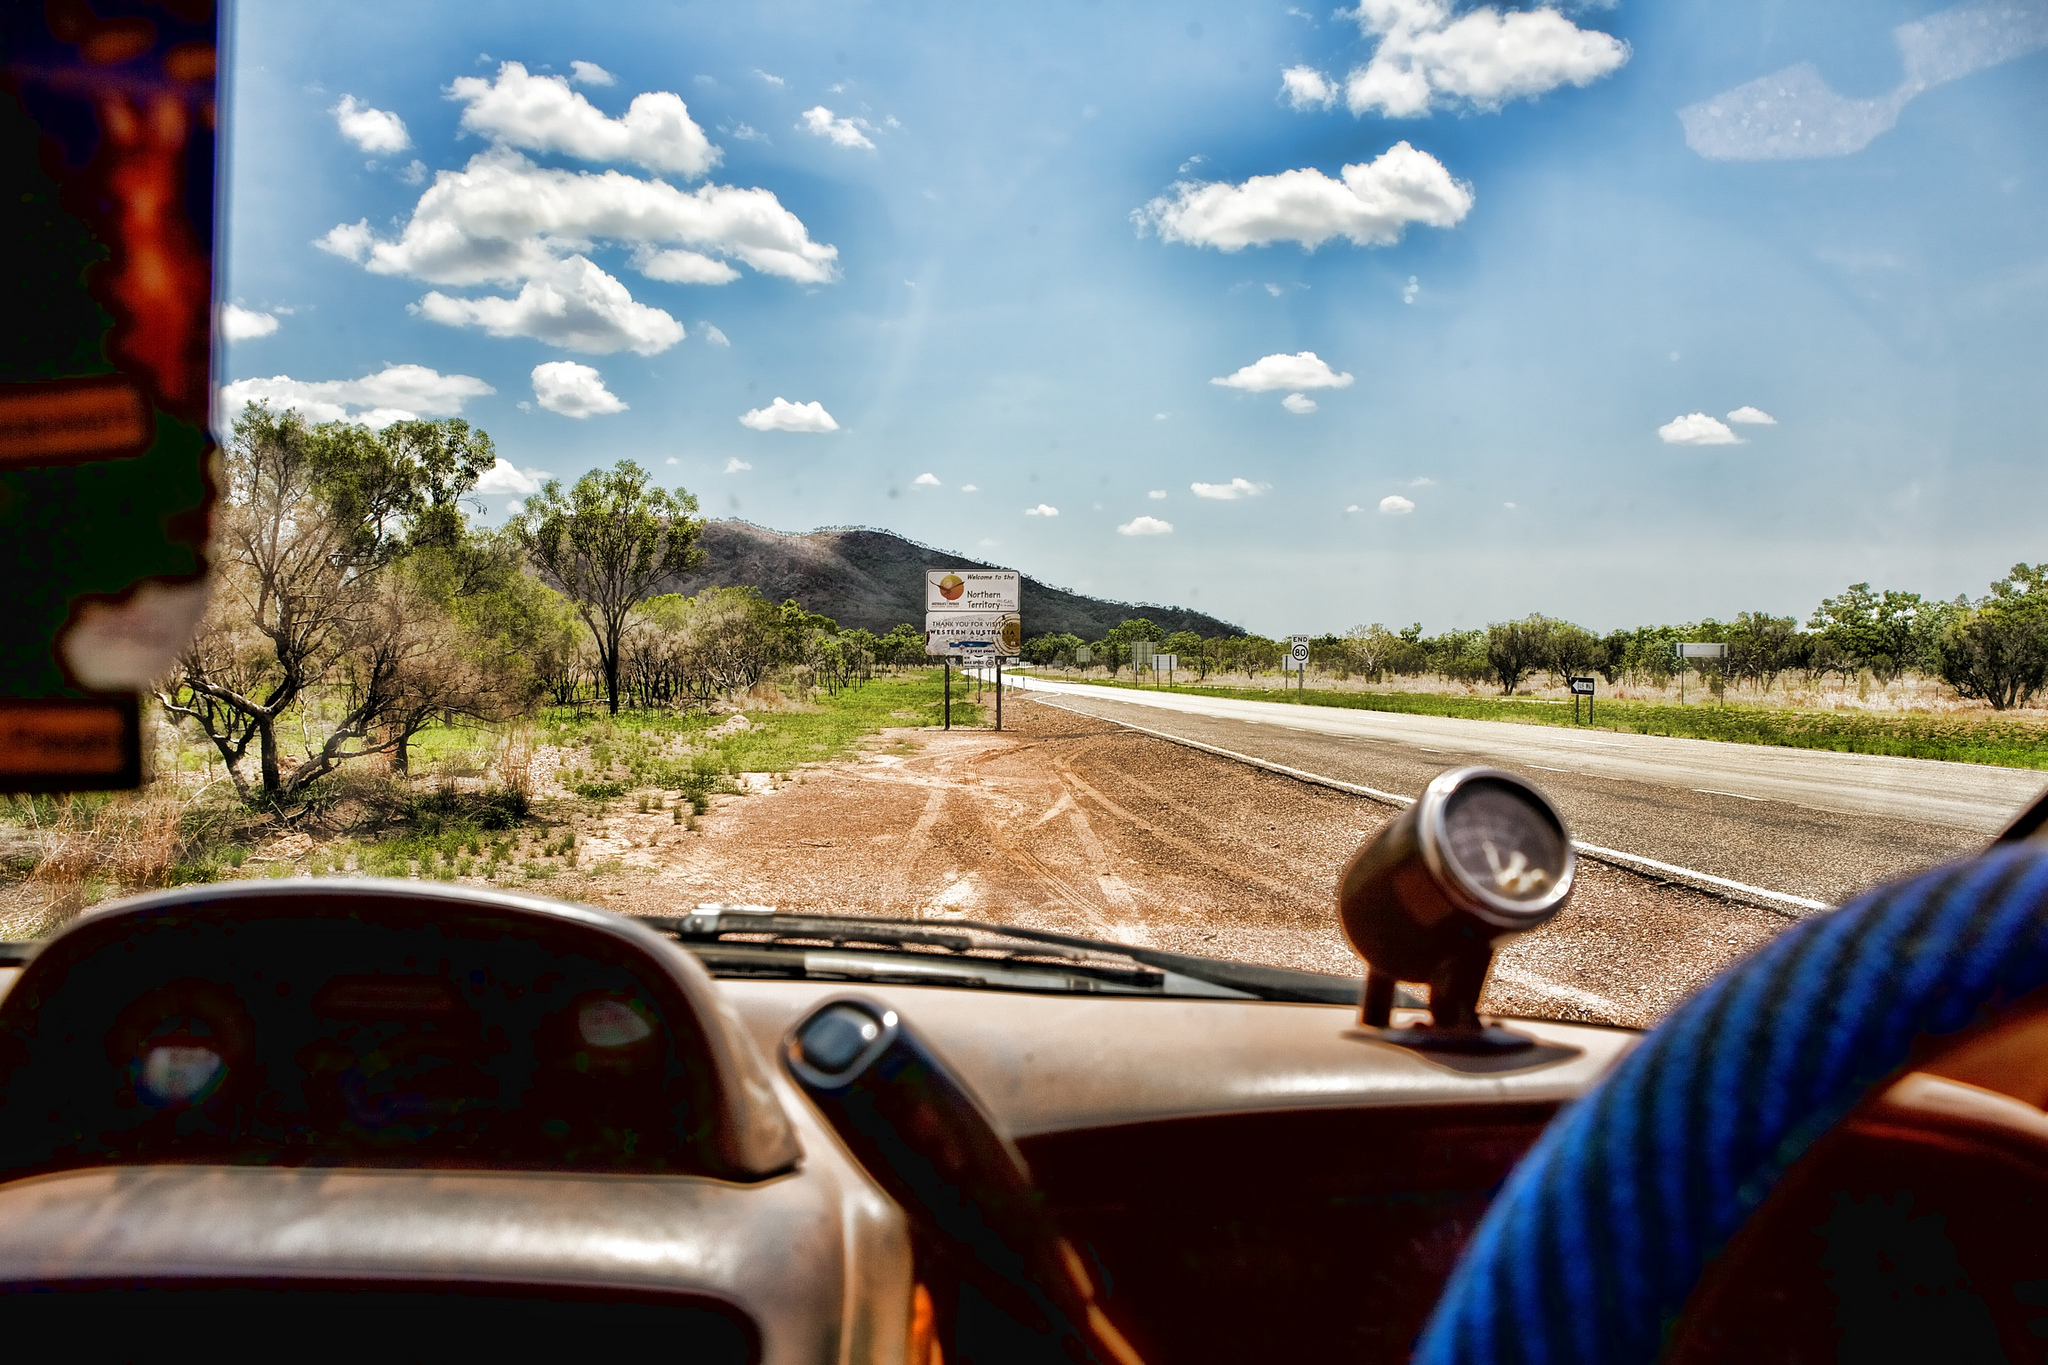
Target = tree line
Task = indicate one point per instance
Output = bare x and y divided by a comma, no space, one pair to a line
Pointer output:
356,603
1993,649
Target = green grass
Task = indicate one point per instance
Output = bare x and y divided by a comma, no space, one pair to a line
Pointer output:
1952,738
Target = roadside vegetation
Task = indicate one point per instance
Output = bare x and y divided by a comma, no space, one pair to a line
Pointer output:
1964,737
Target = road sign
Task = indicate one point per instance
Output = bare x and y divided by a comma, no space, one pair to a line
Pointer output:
1688,649
1165,663
994,633
1141,654
971,590
1582,687
1297,650
1084,656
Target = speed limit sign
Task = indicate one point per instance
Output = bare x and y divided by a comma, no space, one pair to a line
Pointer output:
1299,650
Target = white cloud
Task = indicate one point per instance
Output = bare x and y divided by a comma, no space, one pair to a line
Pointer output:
927,481
1302,370
395,393
1510,506
1145,526
1300,404
1159,417
376,131
1394,505
243,324
504,477
1753,416
736,465
775,81
590,73
969,488
542,114
573,390
1042,510
1229,492
1354,507
501,219
415,172
783,415
1304,87
1369,206
514,508
671,460
1422,481
677,266
712,335
1794,114
745,132
1428,55
1157,495
1697,429
843,132
571,304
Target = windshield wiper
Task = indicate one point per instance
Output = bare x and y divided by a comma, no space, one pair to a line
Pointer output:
754,941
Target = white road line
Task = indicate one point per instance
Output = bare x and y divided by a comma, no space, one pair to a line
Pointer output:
1529,981
1796,907
1548,769
1709,791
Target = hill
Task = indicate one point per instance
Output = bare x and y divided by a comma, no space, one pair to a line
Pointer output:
875,579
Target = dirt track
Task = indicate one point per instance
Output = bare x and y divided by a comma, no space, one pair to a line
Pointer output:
1070,823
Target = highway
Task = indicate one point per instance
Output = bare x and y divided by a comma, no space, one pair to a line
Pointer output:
1798,822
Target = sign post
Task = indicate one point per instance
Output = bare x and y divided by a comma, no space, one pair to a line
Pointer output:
1297,660
1691,649
1141,657
1582,687
973,613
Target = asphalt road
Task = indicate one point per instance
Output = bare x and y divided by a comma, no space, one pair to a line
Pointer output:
1796,821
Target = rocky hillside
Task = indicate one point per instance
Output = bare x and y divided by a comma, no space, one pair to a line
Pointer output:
875,579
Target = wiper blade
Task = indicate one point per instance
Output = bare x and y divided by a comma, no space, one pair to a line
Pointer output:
757,941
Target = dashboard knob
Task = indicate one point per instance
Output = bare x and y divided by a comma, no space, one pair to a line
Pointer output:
1481,857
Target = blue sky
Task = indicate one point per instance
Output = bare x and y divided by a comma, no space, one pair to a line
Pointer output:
1488,369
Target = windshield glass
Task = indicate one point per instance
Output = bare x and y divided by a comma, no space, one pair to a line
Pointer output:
1088,467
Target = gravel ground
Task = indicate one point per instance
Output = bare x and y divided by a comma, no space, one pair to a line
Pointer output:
1072,823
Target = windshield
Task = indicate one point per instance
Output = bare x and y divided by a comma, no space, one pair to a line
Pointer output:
1087,468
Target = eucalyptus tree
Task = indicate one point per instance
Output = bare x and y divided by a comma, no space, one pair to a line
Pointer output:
605,543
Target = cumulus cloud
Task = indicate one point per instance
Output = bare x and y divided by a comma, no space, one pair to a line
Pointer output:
677,266
542,114
1042,510
504,477
1302,370
1429,56
1794,114
1697,429
590,73
1354,507
783,415
775,81
242,324
969,488
1370,205
1229,492
926,480
1300,404
395,393
1157,495
1304,87
736,465
502,219
842,132
1753,416
376,131
571,304
1394,505
1145,526
573,390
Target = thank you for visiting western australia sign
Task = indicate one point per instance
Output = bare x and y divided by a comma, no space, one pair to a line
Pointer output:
972,612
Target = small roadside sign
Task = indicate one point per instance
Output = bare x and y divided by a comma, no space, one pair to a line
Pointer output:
1297,649
1582,687
999,634
972,590
1084,656
1141,654
1710,649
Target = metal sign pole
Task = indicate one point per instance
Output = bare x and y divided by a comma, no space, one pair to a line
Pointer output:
949,694
999,693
